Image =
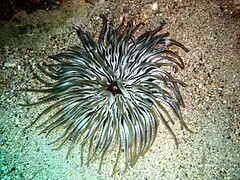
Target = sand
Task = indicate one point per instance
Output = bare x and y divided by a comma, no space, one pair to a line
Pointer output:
212,96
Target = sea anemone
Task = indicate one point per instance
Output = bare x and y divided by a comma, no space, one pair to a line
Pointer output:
114,93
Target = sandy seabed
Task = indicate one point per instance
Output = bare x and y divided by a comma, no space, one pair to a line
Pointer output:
212,96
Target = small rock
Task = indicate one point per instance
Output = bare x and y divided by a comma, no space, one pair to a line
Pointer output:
91,1
10,63
20,16
155,6
2,140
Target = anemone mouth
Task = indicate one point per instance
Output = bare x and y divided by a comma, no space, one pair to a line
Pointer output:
113,88
114,93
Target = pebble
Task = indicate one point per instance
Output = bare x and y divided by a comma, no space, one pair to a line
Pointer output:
2,140
155,6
